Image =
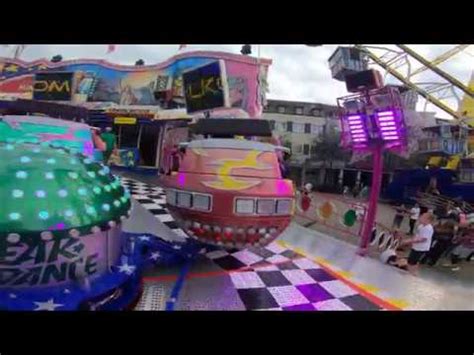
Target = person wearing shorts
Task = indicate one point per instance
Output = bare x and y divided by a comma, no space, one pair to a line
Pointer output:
421,243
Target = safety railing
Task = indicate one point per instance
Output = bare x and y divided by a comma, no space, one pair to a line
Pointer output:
343,218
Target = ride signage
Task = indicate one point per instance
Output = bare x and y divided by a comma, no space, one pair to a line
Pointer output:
125,120
53,86
205,88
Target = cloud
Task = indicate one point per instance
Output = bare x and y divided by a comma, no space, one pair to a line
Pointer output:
298,73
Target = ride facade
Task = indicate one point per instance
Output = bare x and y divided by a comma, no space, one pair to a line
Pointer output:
61,241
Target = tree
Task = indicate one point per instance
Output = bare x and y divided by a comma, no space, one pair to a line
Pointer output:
140,62
327,150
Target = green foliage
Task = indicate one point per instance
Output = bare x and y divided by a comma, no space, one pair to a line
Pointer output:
328,148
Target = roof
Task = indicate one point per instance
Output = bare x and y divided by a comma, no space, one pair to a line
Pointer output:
192,54
308,107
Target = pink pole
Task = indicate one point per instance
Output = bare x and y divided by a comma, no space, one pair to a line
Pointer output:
377,170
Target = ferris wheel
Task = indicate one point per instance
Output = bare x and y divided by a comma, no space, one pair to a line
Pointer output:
406,65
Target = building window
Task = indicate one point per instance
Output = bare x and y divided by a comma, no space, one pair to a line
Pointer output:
298,148
316,129
298,127
313,150
280,126
281,109
272,125
299,110
307,128
289,126
306,149
316,112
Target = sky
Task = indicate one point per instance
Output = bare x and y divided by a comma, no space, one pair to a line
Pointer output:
298,72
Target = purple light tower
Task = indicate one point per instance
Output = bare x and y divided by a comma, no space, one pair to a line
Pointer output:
372,121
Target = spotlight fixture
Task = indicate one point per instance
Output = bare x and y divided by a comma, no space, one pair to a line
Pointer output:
57,58
246,49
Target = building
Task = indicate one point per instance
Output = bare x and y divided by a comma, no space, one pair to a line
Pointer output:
298,124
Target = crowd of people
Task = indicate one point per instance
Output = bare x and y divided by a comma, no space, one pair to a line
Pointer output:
446,231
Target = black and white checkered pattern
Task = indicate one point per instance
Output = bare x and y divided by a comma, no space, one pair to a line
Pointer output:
269,278
152,198
277,278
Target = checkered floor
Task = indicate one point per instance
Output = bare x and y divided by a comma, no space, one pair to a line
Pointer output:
153,199
270,278
276,278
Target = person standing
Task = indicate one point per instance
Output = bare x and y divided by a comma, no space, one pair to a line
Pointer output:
421,243
356,190
306,198
345,192
463,250
414,215
444,235
110,139
99,144
399,215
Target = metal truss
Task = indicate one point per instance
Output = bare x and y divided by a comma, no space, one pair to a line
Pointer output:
399,63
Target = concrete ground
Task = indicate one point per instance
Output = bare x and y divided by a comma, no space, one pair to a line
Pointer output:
385,216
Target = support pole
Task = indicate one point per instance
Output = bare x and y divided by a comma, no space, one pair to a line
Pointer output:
369,220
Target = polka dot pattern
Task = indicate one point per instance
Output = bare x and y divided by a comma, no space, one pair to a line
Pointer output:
70,191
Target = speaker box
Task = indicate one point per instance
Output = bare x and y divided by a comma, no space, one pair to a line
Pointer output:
364,80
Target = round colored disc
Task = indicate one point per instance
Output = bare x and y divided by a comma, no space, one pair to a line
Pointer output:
349,218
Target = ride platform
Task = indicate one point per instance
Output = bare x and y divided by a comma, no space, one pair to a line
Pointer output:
303,270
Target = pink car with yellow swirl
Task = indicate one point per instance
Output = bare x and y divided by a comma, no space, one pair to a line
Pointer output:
230,192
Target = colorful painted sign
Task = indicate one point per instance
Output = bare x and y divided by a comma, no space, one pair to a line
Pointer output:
205,88
125,120
53,86
100,81
34,261
128,157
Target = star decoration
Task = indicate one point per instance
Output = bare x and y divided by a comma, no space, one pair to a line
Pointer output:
66,291
177,247
155,256
144,238
12,295
128,269
47,306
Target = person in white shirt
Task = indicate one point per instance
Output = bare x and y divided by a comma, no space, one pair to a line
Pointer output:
414,215
421,242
